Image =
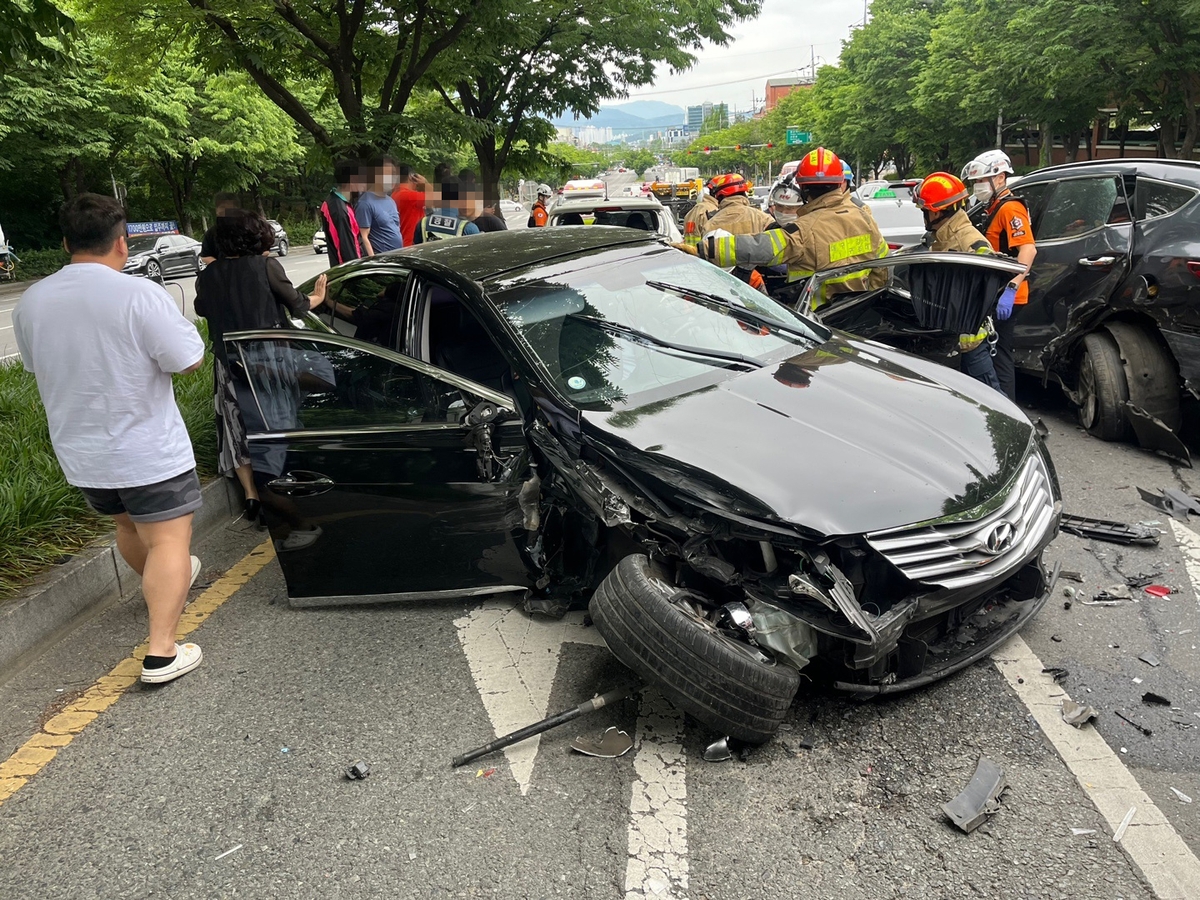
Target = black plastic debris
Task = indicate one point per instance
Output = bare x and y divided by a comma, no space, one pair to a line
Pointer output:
1153,434
609,744
1058,673
1077,714
358,771
1113,532
979,799
1124,718
1173,502
1142,579
1155,699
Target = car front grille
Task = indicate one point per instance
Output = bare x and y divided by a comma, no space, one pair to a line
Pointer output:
957,554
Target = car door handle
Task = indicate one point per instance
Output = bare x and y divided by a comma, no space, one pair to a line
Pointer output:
1097,262
302,484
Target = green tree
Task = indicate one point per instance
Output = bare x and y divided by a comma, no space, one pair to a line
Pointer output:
32,31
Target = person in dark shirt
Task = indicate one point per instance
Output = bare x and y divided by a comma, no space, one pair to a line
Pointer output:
222,202
487,220
342,239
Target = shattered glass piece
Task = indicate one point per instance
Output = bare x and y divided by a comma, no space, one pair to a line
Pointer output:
609,744
1077,714
1120,832
1183,798
718,751
979,799
1078,831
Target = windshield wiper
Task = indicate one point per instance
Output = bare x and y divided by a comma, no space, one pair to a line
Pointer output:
737,309
634,334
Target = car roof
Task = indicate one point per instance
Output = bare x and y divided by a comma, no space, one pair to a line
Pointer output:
1184,170
480,257
588,203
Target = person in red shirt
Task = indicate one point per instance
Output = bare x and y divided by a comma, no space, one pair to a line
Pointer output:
410,196
1008,229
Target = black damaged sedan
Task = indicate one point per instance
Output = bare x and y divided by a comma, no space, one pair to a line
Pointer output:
588,416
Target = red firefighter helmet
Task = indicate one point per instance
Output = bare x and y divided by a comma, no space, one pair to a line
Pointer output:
939,191
723,186
821,166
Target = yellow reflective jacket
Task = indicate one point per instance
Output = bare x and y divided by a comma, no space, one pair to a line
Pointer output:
959,235
737,216
694,221
833,232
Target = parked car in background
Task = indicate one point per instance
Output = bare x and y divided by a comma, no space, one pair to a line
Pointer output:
888,190
899,220
645,213
581,188
514,214
1114,293
163,255
319,241
586,412
280,247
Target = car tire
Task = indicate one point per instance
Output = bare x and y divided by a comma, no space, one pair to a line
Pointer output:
154,271
1102,388
715,678
283,248
201,265
1150,371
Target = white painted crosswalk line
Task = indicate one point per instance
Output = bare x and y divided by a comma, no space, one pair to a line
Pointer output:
658,853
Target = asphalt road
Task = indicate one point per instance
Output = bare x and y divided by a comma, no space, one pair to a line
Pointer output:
229,782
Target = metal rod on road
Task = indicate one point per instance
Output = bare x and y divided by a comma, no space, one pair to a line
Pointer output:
546,724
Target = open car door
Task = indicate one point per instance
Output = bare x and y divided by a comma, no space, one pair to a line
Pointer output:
923,304
381,477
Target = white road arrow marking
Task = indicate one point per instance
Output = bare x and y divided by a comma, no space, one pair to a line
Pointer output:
513,659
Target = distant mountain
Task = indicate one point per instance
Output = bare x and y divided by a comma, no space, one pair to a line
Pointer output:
636,114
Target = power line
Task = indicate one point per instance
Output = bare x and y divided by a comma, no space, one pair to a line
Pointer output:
701,87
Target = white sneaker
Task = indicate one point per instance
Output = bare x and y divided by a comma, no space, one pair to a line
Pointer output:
195,571
187,657
299,539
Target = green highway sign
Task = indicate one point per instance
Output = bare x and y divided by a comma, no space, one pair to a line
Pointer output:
796,136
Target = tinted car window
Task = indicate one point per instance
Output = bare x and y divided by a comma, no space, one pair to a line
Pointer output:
365,307
1033,195
1080,205
305,384
1157,198
141,244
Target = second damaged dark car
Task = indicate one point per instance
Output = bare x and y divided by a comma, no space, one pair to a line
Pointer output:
588,416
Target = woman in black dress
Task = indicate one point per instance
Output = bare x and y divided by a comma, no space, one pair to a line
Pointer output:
242,290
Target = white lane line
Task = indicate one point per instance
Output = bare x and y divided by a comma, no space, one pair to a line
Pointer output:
1189,543
658,853
513,658
1166,862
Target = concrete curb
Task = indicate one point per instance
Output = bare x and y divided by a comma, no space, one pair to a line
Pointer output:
92,579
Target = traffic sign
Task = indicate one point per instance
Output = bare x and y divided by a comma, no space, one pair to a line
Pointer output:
796,136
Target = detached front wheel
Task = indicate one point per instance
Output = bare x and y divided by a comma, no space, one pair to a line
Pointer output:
654,629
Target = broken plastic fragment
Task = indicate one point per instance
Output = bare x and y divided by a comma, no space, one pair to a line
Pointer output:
979,799
1077,714
1149,659
1183,798
1079,831
1172,501
1104,530
486,773
1158,590
609,744
358,771
1120,832
718,751
1151,697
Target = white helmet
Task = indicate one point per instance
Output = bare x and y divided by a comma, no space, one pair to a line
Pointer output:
784,193
987,165
543,190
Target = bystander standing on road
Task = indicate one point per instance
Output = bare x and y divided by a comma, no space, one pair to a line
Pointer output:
222,203
411,195
342,239
1009,230
103,347
243,290
485,217
449,219
378,215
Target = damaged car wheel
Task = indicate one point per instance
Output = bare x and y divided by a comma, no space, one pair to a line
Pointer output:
1102,388
727,684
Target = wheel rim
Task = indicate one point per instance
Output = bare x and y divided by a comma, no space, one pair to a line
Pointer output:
200,265
153,271
1088,402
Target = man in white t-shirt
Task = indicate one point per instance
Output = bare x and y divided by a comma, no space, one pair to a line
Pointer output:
103,346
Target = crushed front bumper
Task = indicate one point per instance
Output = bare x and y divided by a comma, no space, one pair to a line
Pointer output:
919,662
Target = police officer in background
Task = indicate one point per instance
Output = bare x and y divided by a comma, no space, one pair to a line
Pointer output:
1007,227
942,199
831,232
698,215
451,219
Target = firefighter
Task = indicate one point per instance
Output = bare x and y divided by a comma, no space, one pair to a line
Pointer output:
942,199
538,216
1009,231
832,232
693,222
734,212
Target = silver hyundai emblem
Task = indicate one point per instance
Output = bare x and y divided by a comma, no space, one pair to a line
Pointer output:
1000,537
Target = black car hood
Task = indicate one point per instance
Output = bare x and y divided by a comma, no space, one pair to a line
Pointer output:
849,437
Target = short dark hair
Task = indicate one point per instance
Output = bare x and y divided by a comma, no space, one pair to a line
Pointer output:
404,172
242,233
91,223
225,198
346,170
441,172
466,176
449,188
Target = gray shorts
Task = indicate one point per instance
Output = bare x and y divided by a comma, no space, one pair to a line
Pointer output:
158,502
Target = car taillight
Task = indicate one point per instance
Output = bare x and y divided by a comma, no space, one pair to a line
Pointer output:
1194,267
892,246
600,209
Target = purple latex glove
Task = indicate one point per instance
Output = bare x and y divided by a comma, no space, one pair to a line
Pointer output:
1005,304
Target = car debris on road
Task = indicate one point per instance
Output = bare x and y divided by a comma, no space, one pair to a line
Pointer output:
1077,714
979,799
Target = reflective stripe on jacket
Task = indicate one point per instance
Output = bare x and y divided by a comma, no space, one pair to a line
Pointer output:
438,226
693,222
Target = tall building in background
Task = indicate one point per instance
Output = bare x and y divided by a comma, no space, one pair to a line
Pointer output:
697,114
778,88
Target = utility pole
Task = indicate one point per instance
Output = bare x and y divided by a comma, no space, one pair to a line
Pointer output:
1000,130
812,50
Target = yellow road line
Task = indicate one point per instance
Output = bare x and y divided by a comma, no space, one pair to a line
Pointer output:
32,756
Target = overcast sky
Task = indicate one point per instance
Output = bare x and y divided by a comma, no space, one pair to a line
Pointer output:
776,43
